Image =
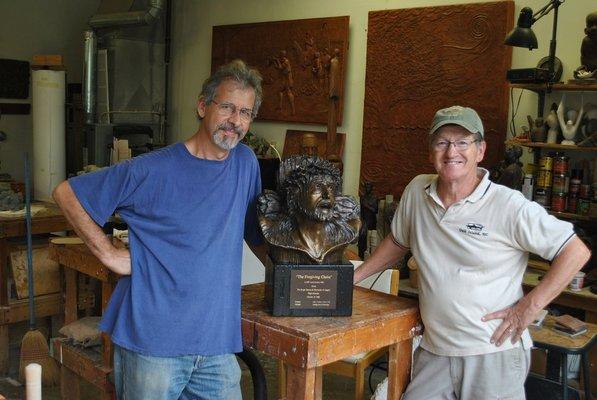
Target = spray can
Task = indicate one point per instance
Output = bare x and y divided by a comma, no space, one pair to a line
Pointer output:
527,186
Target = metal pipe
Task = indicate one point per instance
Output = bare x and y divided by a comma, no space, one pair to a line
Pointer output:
147,17
89,77
257,373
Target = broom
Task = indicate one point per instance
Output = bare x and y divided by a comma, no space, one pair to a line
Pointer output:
34,347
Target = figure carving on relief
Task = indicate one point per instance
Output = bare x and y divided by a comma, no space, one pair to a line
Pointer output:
318,70
282,64
335,75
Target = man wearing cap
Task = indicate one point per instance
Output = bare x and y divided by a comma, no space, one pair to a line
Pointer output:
471,239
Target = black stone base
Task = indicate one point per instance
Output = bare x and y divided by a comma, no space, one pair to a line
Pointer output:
309,290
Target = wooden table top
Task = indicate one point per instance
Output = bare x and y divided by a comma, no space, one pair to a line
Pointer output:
80,258
46,217
377,320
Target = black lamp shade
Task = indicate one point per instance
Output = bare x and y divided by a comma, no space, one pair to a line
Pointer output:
523,35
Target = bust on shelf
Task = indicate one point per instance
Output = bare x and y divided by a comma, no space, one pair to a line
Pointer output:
588,50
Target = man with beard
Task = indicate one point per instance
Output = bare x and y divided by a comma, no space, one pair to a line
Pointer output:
308,220
471,239
174,316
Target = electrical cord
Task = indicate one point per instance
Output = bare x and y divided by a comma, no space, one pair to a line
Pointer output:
374,366
515,111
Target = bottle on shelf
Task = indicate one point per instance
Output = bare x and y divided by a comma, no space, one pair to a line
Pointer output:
527,186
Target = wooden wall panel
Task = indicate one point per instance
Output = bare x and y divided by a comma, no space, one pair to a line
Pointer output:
309,45
420,60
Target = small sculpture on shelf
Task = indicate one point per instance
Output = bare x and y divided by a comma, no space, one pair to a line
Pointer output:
569,124
369,208
552,122
509,171
589,126
538,132
308,220
588,50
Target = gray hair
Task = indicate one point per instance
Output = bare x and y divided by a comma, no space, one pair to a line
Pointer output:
239,72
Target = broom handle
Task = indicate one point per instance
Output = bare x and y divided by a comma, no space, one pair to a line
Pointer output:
29,244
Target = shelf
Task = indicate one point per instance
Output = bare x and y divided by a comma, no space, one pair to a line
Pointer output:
552,146
578,217
570,87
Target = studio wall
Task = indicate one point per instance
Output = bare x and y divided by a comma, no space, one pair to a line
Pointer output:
191,55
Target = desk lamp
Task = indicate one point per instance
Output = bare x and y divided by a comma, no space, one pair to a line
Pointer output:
523,36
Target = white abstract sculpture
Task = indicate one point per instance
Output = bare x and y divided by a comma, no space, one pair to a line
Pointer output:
569,127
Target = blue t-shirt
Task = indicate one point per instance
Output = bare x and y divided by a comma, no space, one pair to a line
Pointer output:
187,218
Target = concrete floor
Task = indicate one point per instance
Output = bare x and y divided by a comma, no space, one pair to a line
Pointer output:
334,387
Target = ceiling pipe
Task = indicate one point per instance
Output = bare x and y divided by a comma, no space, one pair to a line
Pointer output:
146,17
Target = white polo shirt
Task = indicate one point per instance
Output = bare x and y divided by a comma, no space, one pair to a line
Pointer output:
472,258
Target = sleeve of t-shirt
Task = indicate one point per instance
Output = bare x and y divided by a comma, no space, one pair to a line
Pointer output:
402,220
538,232
103,192
252,234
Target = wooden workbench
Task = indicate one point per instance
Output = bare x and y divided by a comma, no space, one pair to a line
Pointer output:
76,362
47,219
305,344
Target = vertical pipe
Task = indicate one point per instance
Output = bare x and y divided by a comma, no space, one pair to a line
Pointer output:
89,77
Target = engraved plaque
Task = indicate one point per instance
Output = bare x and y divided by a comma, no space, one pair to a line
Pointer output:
313,289
318,290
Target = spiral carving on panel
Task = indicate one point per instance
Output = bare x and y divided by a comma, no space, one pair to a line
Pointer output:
420,60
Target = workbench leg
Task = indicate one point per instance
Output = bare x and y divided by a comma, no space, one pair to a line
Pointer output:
4,350
318,383
70,301
69,384
300,383
591,316
281,380
359,390
585,375
399,360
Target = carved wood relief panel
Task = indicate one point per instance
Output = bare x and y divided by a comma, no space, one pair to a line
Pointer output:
293,58
420,60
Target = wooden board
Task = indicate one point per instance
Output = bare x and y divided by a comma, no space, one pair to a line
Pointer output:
46,273
293,141
420,60
309,45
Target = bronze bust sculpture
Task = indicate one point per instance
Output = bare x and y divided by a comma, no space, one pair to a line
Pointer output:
588,50
308,220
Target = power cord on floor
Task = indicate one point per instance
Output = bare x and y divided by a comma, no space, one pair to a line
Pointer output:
374,366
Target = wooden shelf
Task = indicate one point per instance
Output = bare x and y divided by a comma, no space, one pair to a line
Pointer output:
578,217
570,87
538,264
551,146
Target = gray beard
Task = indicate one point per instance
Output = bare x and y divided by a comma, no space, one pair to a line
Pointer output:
225,142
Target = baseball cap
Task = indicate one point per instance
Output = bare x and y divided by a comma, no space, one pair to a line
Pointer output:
463,116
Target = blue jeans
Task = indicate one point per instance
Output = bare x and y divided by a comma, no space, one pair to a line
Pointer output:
168,378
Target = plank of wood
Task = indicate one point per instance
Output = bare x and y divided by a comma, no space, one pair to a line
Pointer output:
67,240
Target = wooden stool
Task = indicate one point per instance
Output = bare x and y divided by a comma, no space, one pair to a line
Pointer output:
546,338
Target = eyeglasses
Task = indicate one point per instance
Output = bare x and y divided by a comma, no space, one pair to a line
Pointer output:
443,145
228,109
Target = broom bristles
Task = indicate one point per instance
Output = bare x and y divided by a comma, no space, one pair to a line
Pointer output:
34,349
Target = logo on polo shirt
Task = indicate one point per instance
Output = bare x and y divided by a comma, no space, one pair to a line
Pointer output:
473,228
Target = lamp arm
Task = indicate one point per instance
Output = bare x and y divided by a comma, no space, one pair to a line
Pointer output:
546,9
